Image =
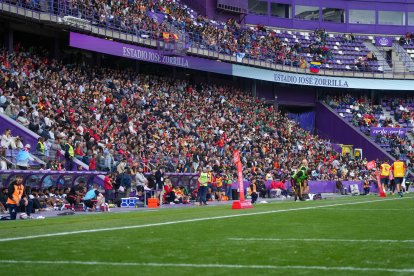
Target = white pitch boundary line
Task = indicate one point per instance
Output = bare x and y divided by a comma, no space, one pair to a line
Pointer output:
376,210
319,240
227,266
188,220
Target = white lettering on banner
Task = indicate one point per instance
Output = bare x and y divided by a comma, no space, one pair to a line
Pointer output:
153,57
389,131
310,80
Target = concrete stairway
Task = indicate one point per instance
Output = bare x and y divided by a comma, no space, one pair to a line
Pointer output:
381,59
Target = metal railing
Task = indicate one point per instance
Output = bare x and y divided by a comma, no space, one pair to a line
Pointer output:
404,56
86,19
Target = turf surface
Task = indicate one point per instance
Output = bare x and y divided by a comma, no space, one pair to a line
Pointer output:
347,236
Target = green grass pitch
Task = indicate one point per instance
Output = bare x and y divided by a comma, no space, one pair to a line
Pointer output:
344,236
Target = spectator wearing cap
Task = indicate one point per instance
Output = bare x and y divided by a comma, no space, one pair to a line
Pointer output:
23,157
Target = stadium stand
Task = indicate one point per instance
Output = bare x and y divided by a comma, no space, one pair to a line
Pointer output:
173,21
145,120
120,121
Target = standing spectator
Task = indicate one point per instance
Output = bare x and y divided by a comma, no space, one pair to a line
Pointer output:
40,148
92,163
228,182
127,182
55,149
109,189
253,191
152,180
109,160
140,179
69,154
202,191
3,163
159,178
122,165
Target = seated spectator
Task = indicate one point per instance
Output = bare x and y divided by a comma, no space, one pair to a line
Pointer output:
277,188
23,158
7,140
75,194
93,199
371,57
3,199
168,193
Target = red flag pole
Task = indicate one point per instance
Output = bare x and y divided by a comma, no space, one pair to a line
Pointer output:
241,203
381,191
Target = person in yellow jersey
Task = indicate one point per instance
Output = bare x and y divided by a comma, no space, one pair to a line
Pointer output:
219,187
385,169
203,182
398,169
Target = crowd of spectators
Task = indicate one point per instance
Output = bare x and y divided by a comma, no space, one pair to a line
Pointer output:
366,115
406,39
111,116
173,20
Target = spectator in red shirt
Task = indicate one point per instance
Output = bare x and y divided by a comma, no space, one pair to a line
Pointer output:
277,188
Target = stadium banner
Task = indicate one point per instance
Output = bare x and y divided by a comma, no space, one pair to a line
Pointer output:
320,80
110,47
383,41
388,131
316,187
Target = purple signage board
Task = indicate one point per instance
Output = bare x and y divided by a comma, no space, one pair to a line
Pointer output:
110,47
383,41
388,131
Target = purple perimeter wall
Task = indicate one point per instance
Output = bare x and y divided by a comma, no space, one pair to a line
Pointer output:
330,126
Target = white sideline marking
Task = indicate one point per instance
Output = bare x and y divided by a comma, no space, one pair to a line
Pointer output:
319,240
376,210
189,220
229,266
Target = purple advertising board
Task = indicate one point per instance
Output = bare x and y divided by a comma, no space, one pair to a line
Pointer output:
388,131
110,47
383,41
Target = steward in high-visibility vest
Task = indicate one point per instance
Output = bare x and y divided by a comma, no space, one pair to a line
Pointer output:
40,147
398,169
69,151
204,179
